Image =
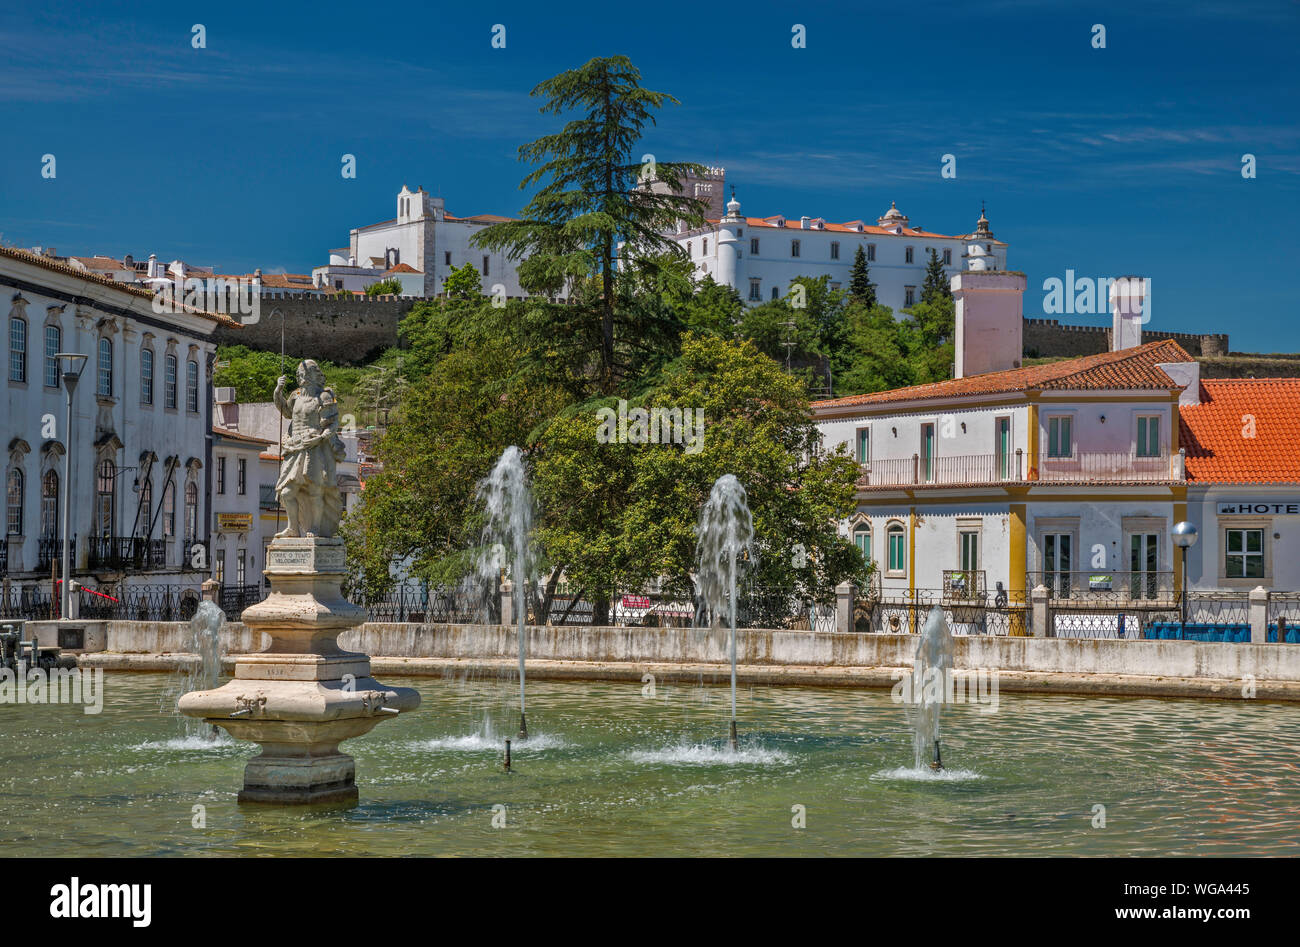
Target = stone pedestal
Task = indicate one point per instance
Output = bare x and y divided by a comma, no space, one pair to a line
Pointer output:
302,696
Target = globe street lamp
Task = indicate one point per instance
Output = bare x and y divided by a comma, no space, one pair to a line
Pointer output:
1185,535
73,365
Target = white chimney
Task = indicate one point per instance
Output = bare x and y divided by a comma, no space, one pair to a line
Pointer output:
990,321
1130,307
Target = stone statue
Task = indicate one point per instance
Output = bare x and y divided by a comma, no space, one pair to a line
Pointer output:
308,485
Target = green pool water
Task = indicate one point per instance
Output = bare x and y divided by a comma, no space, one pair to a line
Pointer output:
613,772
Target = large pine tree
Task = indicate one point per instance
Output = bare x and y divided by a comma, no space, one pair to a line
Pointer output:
591,202
936,281
861,289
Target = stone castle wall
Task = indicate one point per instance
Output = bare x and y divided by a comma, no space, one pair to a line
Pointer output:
1048,338
347,331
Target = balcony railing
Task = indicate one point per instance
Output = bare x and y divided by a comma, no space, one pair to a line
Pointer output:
49,550
1018,467
126,552
1101,586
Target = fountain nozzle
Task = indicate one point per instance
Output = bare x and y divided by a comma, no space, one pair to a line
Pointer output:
523,727
937,763
734,745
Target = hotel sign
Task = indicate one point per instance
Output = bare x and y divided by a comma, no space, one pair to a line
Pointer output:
1260,508
234,522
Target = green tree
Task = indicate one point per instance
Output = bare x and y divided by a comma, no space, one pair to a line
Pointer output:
936,282
385,287
463,282
571,230
621,515
446,435
861,289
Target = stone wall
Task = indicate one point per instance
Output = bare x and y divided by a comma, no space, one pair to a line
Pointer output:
1048,338
347,331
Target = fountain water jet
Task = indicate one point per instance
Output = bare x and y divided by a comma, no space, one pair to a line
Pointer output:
930,669
508,504
724,533
204,640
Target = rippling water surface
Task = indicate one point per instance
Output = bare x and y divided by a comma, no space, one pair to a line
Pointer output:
612,772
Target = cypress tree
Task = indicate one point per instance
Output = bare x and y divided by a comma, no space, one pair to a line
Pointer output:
861,289
936,285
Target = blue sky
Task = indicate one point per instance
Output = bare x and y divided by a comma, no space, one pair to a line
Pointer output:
1104,161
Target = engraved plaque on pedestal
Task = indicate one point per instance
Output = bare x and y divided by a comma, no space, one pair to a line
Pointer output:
305,555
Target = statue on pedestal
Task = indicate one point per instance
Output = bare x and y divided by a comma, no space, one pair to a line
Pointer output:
308,484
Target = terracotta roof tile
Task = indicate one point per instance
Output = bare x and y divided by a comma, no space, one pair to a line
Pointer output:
1243,431
26,256
1126,369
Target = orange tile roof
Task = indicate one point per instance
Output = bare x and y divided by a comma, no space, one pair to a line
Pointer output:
401,268
1126,369
1217,432
26,256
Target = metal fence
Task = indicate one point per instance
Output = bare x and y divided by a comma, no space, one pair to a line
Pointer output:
967,612
418,602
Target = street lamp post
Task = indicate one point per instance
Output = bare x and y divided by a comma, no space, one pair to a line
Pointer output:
1185,535
73,365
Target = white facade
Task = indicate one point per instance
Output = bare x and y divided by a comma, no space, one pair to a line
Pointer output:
760,256
425,238
142,435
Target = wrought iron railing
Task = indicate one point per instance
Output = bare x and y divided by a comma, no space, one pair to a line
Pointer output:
233,599
163,602
1106,585
49,550
126,552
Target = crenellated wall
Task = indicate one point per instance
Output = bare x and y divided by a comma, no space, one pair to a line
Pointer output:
1048,338
349,331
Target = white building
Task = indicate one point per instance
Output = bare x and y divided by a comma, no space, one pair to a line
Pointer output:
1070,475
420,247
141,468
760,256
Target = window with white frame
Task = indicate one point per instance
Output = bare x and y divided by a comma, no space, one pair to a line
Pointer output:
753,246
896,543
1060,435
17,349
794,248
862,445
871,252
105,386
862,539
755,291
53,343
1243,551
835,250
1148,435
907,255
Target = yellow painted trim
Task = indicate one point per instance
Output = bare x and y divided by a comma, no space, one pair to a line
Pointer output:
1031,461
911,564
954,404
1018,555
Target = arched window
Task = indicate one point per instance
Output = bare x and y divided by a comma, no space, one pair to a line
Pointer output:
146,508
191,512
104,498
50,505
105,386
146,376
192,386
14,503
169,510
53,343
17,349
169,382
862,539
897,548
